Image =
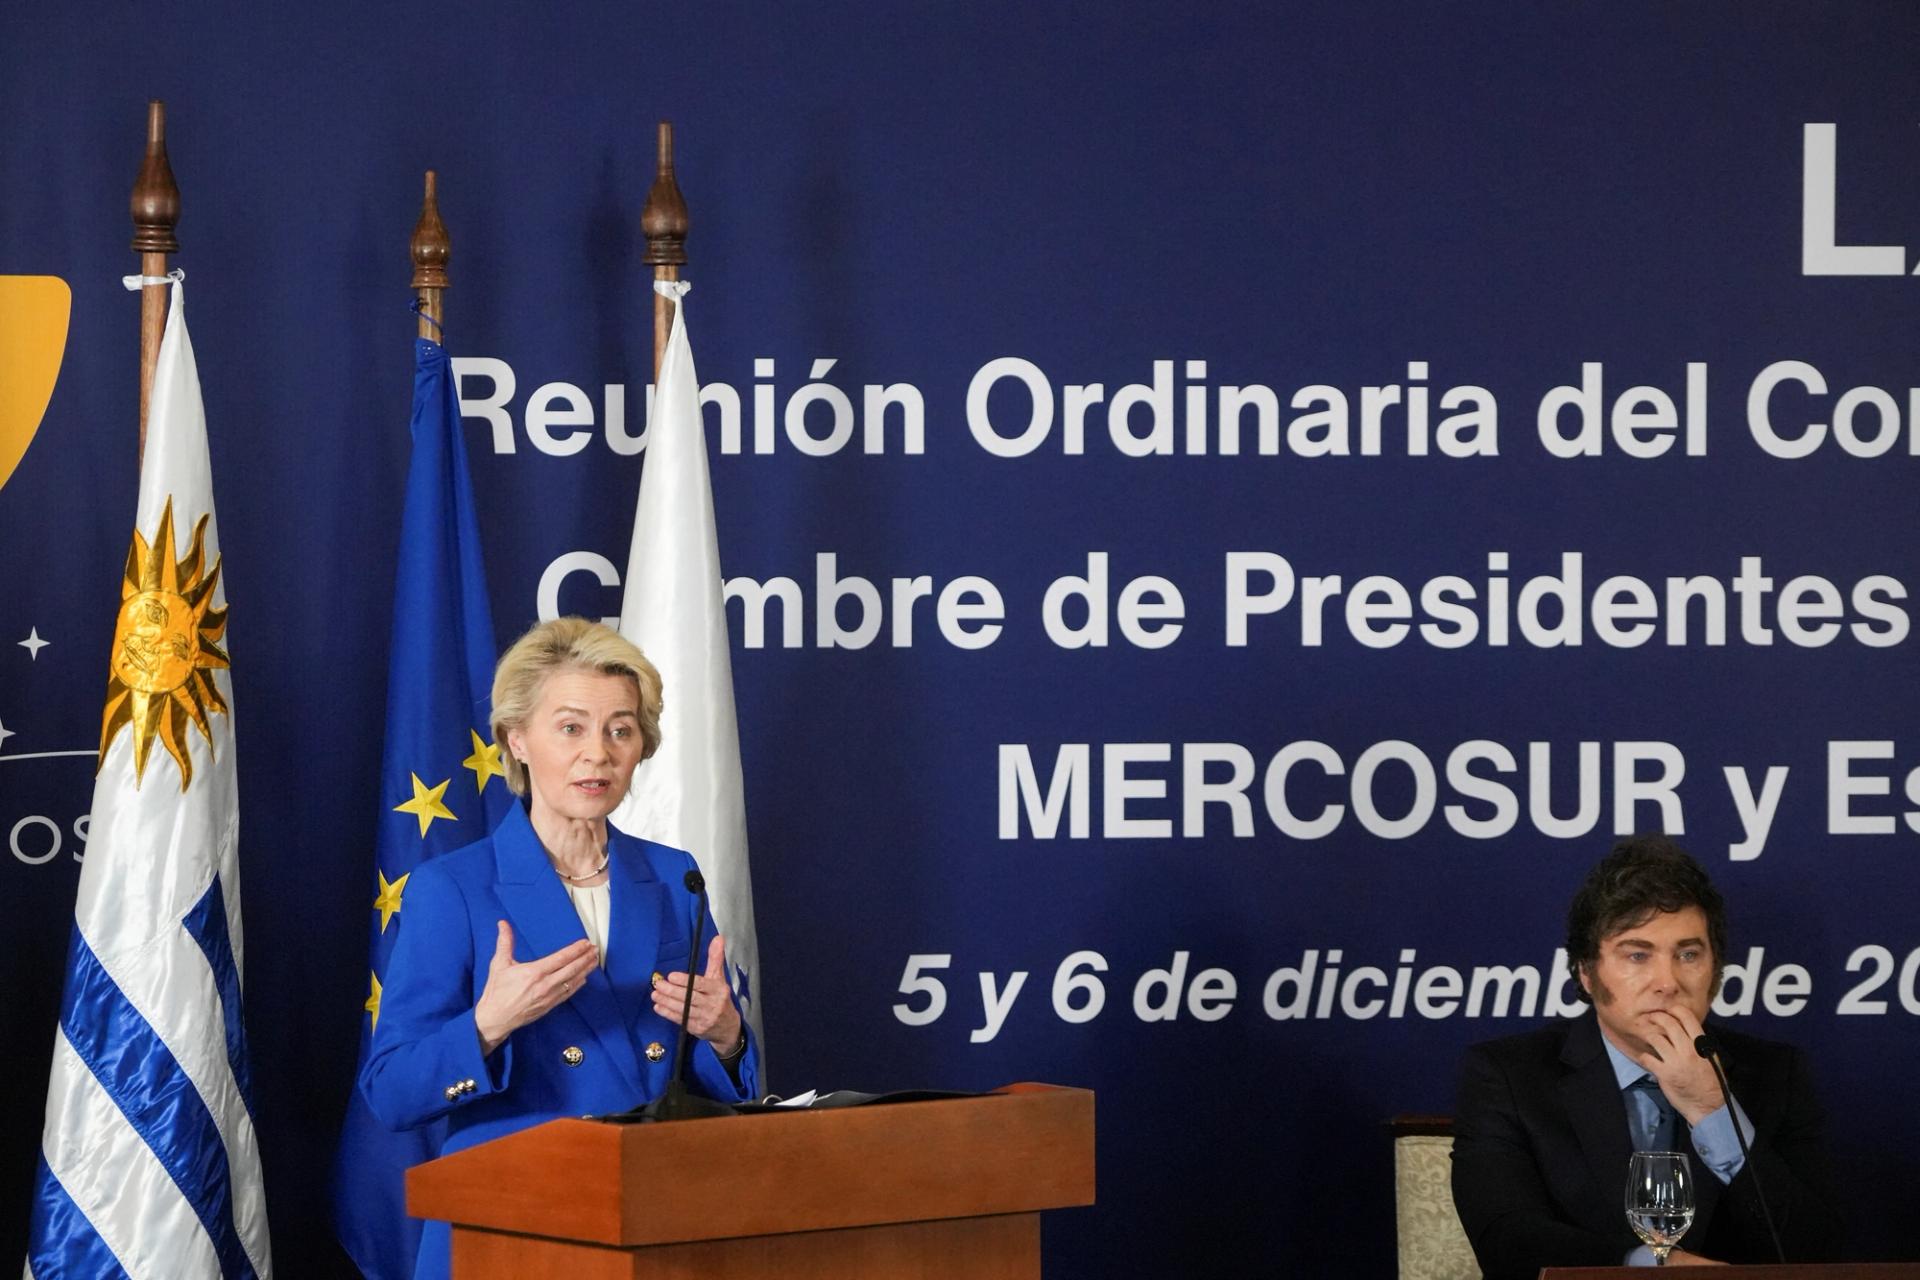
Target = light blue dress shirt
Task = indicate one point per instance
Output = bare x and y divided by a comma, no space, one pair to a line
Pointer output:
1713,1138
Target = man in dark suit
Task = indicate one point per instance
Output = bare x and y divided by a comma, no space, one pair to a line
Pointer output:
1546,1120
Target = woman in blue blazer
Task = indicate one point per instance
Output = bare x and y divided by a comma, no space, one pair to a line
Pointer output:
540,972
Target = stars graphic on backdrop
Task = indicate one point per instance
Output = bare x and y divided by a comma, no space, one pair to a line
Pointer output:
5,733
426,804
33,644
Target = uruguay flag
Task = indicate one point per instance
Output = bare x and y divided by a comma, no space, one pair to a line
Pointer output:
148,1162
442,784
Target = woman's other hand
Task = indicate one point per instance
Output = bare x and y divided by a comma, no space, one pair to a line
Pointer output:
713,1017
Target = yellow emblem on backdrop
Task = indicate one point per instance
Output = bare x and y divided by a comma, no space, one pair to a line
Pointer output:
33,337
165,649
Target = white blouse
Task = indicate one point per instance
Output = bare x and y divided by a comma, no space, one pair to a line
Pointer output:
592,905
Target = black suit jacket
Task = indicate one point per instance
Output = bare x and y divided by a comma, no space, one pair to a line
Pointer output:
1541,1143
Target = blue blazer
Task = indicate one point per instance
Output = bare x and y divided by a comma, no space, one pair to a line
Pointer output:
589,1056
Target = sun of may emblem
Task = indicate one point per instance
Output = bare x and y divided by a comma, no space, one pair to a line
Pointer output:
165,649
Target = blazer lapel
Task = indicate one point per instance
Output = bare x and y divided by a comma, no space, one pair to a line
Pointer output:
1591,1098
543,922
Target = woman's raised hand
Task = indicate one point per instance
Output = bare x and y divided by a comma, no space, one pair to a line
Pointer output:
517,994
713,1017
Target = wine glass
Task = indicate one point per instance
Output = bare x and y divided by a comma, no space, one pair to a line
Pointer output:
1659,1199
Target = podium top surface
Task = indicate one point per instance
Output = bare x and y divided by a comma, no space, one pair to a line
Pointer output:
1024,1148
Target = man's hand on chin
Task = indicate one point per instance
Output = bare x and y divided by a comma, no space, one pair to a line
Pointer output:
1685,1077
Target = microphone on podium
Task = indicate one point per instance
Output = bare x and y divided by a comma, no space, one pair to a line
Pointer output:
675,1103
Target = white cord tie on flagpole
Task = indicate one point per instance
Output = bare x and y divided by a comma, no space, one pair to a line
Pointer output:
134,283
675,289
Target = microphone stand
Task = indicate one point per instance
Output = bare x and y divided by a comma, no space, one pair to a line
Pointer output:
675,1103
1705,1046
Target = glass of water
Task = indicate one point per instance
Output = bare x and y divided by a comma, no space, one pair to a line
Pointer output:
1659,1199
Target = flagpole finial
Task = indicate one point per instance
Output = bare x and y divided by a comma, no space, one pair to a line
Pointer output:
432,249
156,210
663,220
156,196
430,246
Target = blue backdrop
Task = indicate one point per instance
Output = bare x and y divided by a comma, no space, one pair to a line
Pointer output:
978,213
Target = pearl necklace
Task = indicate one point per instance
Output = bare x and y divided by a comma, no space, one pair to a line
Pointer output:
606,856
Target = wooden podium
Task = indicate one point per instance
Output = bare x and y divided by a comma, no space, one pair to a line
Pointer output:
942,1190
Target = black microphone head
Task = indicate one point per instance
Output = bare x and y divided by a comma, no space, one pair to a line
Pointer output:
1705,1045
695,882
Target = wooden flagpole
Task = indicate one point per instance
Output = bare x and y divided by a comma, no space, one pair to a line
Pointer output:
156,209
431,252
663,219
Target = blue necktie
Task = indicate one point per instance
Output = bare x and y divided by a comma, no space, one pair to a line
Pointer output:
1662,1131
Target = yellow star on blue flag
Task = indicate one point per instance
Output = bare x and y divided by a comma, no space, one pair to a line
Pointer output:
485,761
387,901
426,804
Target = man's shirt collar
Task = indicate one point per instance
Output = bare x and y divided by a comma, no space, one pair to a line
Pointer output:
1625,1069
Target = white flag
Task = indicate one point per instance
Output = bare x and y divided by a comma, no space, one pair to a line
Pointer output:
149,1166
690,794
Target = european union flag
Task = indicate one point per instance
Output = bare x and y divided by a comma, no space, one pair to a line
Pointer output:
441,781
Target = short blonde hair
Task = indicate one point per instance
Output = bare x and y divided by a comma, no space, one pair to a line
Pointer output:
567,644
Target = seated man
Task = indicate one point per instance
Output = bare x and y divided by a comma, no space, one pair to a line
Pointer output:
1546,1120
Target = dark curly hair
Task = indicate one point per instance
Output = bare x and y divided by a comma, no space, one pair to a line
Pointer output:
1643,876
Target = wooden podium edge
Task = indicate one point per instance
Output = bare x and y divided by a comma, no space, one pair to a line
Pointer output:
1021,1149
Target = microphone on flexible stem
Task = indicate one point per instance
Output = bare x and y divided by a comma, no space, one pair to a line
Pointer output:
676,1103
1709,1048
